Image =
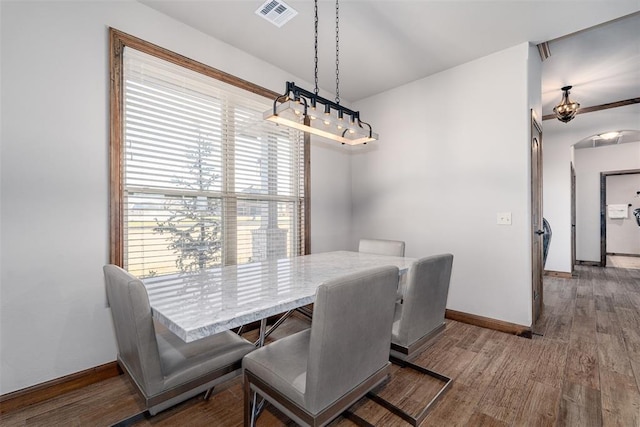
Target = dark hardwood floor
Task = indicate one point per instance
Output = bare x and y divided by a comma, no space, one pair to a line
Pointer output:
583,371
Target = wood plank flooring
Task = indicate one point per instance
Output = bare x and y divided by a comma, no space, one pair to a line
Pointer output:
583,371
622,261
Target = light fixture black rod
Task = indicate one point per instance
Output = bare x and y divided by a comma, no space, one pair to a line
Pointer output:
360,123
283,98
296,90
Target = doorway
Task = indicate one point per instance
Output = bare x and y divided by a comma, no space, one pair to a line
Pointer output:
619,229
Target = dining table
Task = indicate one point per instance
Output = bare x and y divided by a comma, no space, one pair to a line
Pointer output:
198,305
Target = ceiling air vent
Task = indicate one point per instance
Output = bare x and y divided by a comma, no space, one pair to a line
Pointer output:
277,12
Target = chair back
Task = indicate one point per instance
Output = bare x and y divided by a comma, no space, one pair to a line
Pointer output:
381,247
350,333
425,298
135,333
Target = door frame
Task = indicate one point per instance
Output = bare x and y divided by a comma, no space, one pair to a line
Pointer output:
603,210
573,218
537,266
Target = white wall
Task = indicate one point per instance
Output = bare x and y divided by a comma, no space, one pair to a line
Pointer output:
54,176
557,139
454,151
330,197
589,163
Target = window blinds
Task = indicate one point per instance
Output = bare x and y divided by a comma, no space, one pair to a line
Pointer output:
207,182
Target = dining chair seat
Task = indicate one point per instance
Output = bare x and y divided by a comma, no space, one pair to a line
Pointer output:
290,356
183,361
165,369
422,310
316,374
419,317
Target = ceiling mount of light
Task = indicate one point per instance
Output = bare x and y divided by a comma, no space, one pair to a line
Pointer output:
566,110
309,112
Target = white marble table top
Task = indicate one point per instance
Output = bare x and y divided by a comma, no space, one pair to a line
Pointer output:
218,299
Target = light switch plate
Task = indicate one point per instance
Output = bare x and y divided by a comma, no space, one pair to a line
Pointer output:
504,218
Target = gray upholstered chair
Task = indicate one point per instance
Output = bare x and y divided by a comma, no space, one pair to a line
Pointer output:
420,314
165,369
385,247
371,246
315,375
418,318
381,247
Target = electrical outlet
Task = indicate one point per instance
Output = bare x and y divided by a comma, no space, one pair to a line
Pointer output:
504,218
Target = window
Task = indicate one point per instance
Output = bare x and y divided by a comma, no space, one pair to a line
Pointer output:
199,179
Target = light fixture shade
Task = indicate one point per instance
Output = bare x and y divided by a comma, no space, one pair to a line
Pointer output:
566,110
326,119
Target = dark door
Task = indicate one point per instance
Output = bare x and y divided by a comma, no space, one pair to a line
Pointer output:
573,218
536,217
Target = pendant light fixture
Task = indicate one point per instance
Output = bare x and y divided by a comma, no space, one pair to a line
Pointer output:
567,109
309,112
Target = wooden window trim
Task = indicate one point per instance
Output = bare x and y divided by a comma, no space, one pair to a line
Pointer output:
118,40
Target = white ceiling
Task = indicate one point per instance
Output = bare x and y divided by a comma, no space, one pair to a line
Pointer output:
601,63
384,44
619,137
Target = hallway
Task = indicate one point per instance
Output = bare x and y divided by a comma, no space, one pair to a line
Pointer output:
621,261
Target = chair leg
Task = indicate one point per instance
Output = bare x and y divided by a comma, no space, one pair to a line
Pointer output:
248,410
252,408
132,420
256,408
415,421
356,419
208,393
